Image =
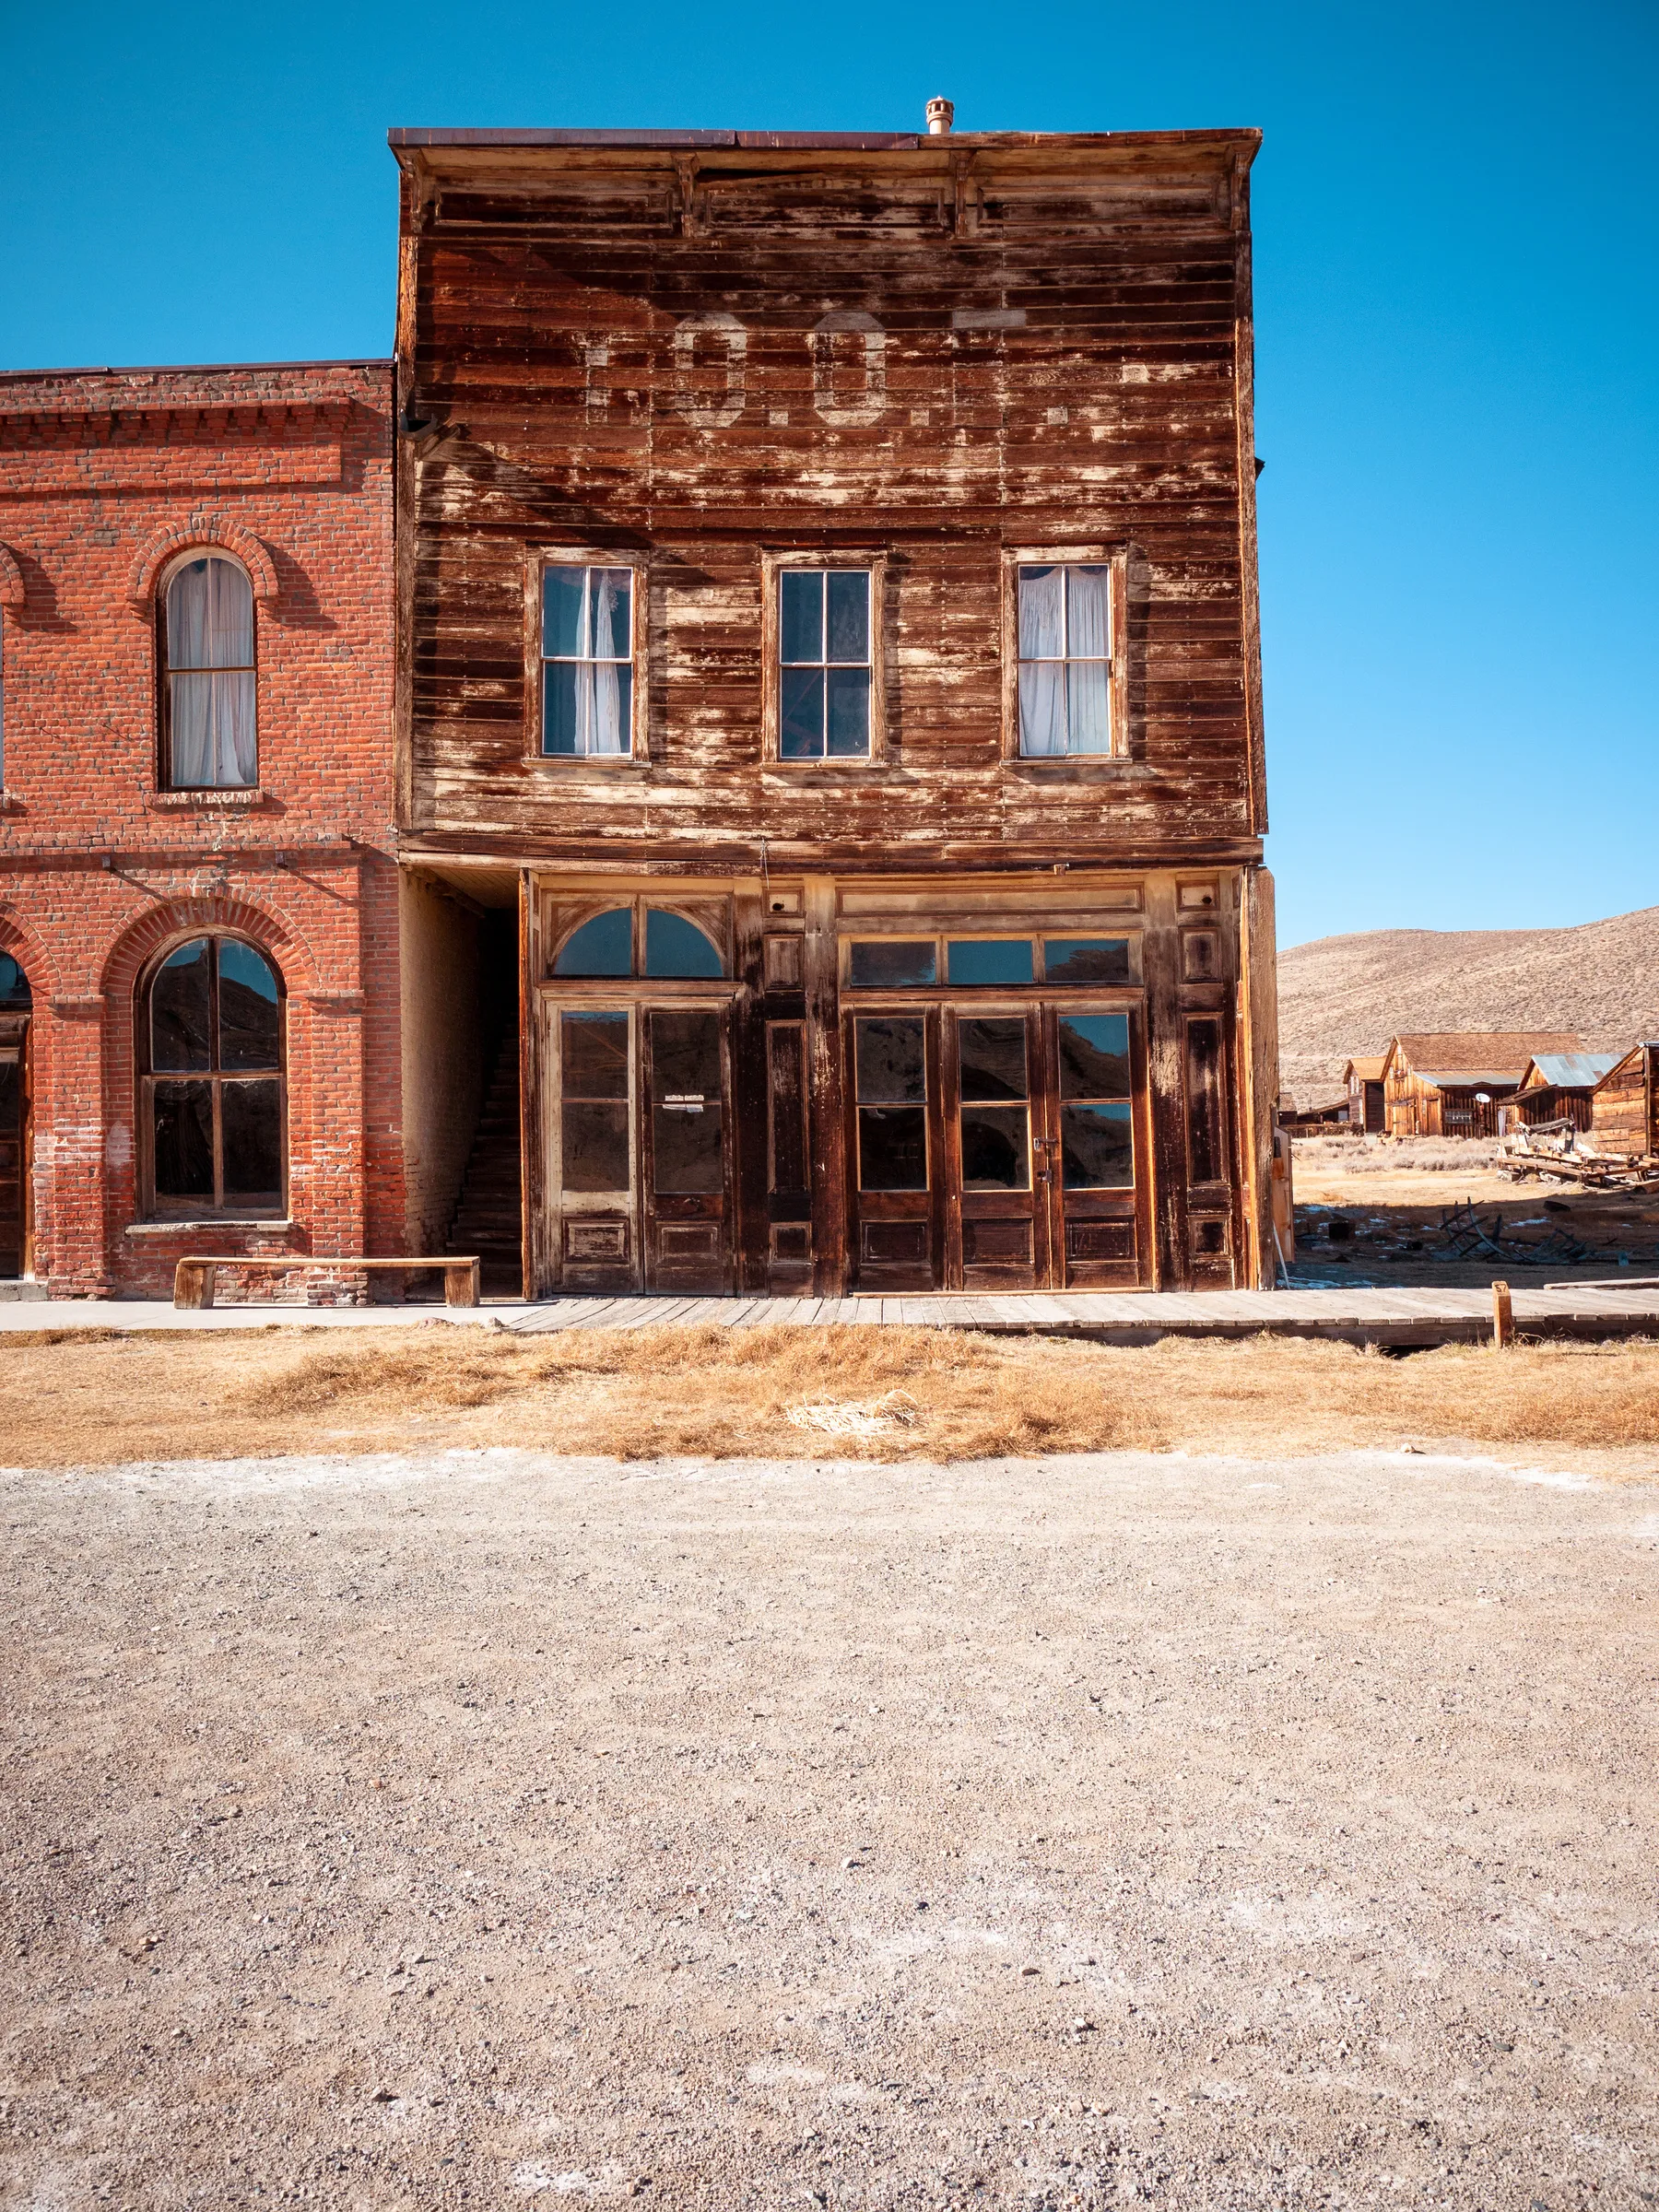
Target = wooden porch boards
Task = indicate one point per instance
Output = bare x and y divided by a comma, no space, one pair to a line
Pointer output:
1403,1318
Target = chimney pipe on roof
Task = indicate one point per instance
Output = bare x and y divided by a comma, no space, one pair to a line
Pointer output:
941,114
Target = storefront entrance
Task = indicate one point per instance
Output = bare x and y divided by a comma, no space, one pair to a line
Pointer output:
998,1147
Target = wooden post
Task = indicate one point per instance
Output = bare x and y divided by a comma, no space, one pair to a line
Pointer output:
1503,1316
193,1285
461,1283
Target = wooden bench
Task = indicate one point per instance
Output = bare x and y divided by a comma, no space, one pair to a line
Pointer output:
194,1277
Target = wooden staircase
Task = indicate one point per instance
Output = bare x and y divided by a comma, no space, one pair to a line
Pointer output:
488,1214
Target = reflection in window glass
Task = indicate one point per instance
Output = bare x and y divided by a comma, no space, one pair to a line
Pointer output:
181,1010
603,947
1094,1056
13,983
249,1015
892,1064
1085,960
892,963
215,1009
991,1058
1097,1138
824,656
1097,1147
989,959
675,947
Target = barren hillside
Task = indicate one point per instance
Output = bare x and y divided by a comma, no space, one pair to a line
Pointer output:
1342,996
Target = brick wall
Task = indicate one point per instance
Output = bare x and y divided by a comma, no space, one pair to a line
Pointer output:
104,478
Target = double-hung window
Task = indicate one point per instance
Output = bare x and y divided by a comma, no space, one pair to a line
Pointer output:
208,681
587,655
1065,629
825,666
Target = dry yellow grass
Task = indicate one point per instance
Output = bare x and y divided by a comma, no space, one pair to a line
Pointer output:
72,1399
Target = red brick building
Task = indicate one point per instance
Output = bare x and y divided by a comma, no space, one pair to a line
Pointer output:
199,935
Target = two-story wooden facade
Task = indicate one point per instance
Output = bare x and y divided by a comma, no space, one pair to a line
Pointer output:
828,603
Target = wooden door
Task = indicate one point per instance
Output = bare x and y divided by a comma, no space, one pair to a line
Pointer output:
997,1215
686,1152
594,1161
1094,1140
894,1149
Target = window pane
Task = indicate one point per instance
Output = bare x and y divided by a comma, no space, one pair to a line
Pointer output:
593,1056
892,1149
1088,699
1041,709
211,730
594,1146
180,1026
251,1124
561,682
801,615
249,1021
892,1060
184,1140
675,947
1041,613
1094,1056
801,713
849,615
210,616
996,1155
849,712
892,963
564,595
601,946
13,983
1097,1149
992,1055
1085,960
610,599
686,1101
1088,614
989,959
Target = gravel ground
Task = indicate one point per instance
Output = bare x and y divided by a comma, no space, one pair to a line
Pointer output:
493,1828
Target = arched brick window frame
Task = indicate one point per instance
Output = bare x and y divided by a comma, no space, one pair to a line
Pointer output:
210,1042
205,533
128,974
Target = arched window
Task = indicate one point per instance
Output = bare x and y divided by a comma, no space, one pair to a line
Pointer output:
674,948
213,1114
15,1003
208,739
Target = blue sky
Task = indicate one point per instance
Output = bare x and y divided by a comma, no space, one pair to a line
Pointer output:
1456,290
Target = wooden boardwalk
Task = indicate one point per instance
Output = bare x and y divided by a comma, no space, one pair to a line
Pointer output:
1401,1317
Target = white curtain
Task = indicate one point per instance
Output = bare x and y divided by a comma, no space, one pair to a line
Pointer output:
1042,669
1088,645
210,664
604,688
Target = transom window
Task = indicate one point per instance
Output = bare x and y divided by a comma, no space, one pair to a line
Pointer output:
824,664
1064,659
210,737
211,1055
587,661
608,945
986,963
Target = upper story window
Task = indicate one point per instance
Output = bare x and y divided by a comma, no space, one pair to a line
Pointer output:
639,940
211,1060
208,734
825,668
1064,628
587,655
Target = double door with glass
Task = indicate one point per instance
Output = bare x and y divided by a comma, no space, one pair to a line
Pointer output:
640,1147
997,1147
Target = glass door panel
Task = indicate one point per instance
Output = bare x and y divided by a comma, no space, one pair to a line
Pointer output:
687,1246
894,1091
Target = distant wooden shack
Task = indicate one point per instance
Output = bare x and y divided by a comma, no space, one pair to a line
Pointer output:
1624,1106
1447,1083
1558,1086
1362,1079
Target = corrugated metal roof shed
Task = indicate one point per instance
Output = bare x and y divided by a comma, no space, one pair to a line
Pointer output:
1573,1071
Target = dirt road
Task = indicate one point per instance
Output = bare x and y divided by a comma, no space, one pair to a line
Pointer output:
492,1829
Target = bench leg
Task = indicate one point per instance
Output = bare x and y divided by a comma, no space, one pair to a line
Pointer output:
461,1284
193,1285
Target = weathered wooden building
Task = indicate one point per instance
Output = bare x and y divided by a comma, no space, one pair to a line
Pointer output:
830,673
1556,1086
1624,1106
1448,1083
1362,1079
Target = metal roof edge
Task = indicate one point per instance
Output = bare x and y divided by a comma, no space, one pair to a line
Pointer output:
402,139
